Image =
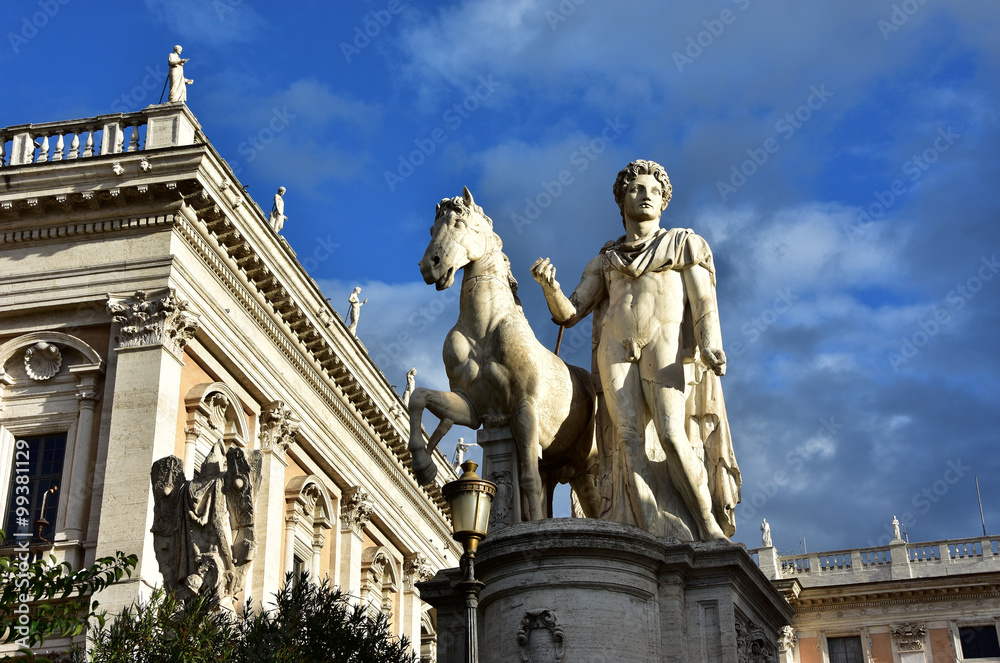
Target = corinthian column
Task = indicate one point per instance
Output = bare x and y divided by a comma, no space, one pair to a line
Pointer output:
152,331
278,425
355,512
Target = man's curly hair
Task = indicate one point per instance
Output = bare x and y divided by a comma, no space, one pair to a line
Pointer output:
633,170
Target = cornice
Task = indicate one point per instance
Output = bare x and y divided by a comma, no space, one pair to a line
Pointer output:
974,587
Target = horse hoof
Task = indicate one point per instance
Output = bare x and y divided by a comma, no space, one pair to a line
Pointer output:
424,469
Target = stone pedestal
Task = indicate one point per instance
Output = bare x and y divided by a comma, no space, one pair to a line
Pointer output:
500,467
594,591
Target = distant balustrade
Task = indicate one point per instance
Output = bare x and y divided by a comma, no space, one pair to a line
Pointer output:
923,559
70,140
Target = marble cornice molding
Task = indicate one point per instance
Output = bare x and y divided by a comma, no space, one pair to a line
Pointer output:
32,213
896,596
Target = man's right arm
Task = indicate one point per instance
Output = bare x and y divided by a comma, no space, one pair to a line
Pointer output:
568,311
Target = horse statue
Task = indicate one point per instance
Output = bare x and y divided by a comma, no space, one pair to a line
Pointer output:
499,374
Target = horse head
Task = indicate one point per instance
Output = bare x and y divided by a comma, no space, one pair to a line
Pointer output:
461,234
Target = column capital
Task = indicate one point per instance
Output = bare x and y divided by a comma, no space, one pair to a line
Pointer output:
149,321
278,425
909,637
415,569
356,508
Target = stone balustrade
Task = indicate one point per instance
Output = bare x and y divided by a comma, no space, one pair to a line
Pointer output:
894,561
164,125
75,139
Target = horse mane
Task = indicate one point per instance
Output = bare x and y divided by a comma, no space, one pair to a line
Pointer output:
457,204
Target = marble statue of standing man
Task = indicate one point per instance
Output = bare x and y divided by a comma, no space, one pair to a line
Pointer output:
355,312
178,84
278,217
765,533
411,384
658,353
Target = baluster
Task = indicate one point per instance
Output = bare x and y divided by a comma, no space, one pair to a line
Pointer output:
133,141
58,155
74,147
89,150
43,152
119,139
2,141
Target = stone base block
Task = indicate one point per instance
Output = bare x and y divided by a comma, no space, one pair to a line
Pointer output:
592,591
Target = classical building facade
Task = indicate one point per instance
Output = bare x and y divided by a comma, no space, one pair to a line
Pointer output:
148,310
933,602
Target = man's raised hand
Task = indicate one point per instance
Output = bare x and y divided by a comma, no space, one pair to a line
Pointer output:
545,273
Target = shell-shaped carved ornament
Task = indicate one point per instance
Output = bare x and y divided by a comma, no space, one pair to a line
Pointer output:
42,361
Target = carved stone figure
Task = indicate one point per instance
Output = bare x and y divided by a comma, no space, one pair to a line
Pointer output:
203,529
355,313
411,384
278,218
178,84
499,374
896,534
765,533
658,354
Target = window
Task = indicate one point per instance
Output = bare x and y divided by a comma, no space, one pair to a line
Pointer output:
979,641
846,650
41,461
298,568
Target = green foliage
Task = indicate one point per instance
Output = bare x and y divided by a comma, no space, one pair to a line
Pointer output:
59,599
312,623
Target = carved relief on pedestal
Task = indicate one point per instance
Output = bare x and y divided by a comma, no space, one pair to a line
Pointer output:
500,513
42,361
540,638
752,645
909,637
144,321
278,425
356,508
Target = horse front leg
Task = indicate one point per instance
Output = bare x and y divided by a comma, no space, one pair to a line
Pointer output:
451,409
524,430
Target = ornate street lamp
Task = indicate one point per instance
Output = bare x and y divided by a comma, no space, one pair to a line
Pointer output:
470,498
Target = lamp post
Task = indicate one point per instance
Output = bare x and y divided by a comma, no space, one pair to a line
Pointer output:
470,498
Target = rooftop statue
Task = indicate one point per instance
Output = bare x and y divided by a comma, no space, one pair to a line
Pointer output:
354,314
499,374
658,354
278,218
411,384
178,84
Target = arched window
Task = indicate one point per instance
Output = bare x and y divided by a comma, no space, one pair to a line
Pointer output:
379,580
48,397
308,514
214,412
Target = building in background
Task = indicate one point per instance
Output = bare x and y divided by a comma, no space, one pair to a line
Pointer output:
148,309
933,602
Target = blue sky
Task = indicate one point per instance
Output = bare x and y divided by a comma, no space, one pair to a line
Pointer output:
838,156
